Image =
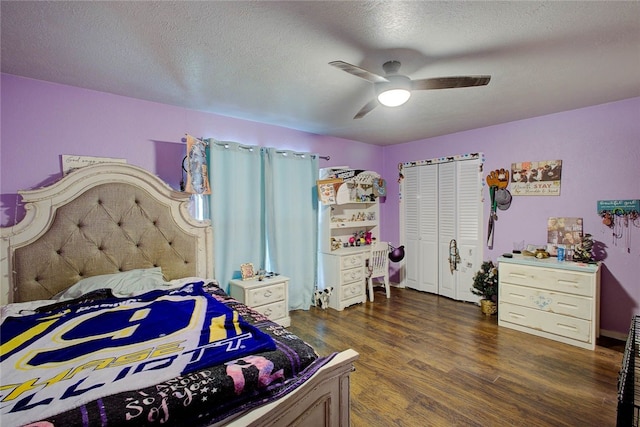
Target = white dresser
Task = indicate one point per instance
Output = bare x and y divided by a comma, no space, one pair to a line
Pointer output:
551,299
269,296
344,270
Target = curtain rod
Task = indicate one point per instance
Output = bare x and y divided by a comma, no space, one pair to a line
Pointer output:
222,144
303,154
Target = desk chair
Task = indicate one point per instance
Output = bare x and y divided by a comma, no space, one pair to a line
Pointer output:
378,266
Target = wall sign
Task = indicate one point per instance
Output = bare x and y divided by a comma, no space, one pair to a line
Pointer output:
536,178
617,207
70,162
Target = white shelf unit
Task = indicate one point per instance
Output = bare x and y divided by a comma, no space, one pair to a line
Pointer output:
342,264
340,222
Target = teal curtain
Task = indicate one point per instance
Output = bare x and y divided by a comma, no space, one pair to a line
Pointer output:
236,208
291,210
264,210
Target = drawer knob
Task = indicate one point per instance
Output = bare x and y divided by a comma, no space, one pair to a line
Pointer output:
268,293
267,312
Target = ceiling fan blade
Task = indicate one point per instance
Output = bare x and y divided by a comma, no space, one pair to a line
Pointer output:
359,72
450,82
366,109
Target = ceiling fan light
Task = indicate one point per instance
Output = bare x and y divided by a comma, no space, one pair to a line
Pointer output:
394,97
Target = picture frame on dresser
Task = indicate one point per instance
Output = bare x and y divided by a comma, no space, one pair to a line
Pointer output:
246,271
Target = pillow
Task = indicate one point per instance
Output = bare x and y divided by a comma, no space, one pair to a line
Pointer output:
125,284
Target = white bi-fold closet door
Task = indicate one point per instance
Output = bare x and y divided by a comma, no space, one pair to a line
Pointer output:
441,214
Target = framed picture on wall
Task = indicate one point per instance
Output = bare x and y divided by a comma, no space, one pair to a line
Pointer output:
536,178
246,270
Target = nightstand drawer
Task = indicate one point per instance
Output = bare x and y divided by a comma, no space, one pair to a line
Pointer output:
265,295
351,261
352,275
545,278
274,311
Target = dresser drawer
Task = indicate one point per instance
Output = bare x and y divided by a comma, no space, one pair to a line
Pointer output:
351,261
352,275
352,290
557,324
572,282
265,295
274,311
567,304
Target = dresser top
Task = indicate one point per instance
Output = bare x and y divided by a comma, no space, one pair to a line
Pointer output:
551,262
255,283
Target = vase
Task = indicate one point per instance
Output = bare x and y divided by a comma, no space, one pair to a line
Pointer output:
488,307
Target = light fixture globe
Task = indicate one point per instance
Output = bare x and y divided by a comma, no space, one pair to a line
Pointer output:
395,92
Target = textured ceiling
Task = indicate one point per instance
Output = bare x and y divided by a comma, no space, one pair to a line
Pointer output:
268,61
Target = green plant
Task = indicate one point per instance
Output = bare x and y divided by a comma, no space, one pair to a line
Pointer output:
485,282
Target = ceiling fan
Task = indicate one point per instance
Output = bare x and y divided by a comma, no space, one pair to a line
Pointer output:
394,89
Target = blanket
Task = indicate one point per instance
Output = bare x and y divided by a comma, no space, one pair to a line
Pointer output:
61,359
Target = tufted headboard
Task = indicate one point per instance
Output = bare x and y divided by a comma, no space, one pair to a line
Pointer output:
101,219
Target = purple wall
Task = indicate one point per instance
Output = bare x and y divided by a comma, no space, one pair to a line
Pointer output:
41,121
599,147
600,151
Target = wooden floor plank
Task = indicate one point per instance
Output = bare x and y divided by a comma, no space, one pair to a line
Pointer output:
427,360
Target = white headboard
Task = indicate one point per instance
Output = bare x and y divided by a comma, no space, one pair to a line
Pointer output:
101,219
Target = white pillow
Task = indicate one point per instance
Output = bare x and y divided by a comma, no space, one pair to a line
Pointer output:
125,284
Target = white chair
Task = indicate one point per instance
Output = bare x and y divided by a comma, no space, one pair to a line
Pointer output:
378,266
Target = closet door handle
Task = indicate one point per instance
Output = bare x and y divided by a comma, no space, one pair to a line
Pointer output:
454,255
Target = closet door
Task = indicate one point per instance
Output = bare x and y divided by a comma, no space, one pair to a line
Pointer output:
447,227
469,226
420,186
442,204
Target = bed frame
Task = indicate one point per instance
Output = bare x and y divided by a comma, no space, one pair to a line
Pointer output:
113,217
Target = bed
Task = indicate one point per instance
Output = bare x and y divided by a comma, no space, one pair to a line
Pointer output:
109,254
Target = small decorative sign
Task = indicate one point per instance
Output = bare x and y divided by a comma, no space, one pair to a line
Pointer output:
618,207
536,178
327,190
70,162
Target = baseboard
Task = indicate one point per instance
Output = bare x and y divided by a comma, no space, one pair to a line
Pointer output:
613,334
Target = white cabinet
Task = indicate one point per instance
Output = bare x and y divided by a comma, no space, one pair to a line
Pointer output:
269,296
354,215
344,270
551,299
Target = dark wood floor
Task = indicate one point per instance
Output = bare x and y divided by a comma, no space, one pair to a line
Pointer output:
431,361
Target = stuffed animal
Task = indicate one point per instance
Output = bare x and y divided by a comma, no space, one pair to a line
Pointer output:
322,297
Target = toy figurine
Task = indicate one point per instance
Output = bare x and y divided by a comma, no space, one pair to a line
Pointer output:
583,250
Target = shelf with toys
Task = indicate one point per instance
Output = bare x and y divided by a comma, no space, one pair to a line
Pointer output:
349,223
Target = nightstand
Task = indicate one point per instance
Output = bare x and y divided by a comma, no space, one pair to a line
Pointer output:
269,296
